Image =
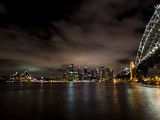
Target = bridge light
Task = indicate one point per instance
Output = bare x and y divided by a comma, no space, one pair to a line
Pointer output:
126,68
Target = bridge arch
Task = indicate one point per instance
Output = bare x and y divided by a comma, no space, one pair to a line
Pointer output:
150,42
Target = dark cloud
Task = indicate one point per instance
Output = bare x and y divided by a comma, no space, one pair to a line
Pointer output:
90,33
124,61
3,9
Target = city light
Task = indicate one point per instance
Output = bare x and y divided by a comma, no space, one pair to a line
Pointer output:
88,74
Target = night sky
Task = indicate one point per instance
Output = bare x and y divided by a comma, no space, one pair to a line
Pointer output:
44,37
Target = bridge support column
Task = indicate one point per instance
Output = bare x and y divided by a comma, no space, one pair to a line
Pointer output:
132,72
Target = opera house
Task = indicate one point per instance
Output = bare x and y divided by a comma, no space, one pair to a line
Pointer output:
24,77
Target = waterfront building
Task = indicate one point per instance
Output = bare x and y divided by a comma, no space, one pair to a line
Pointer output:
109,73
80,74
102,74
89,75
93,74
97,74
85,73
76,76
15,77
71,72
71,68
23,77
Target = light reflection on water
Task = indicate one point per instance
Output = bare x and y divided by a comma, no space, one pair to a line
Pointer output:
77,101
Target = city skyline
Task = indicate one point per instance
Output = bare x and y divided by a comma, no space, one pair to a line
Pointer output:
71,73
48,37
59,73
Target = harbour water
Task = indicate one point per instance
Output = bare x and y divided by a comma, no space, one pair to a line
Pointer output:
79,101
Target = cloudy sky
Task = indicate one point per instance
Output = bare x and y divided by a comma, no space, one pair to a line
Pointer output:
44,37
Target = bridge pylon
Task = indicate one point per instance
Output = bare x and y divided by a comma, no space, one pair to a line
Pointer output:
132,72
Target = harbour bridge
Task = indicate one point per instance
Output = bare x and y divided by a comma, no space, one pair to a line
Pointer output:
148,53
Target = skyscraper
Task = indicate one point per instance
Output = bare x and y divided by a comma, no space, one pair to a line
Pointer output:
80,75
71,68
85,73
97,74
102,73
109,74
92,74
71,72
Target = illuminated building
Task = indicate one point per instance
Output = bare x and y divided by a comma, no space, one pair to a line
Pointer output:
109,74
102,74
71,68
89,76
65,76
15,77
92,74
97,74
25,76
85,73
80,74
71,72
76,76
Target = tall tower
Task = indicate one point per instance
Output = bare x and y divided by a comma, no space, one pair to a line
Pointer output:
71,72
71,67
102,73
97,74
109,73
92,74
85,73
131,70
80,75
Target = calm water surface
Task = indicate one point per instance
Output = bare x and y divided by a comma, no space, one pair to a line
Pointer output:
79,101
